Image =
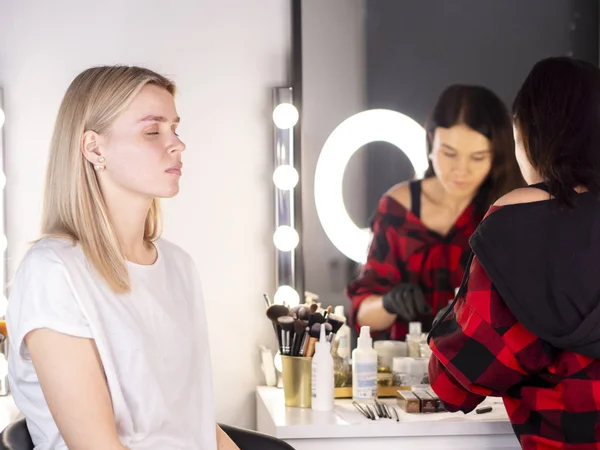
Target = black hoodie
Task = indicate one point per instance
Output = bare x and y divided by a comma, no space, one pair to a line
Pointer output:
544,259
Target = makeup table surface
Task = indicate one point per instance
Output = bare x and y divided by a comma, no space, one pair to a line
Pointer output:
345,428
8,411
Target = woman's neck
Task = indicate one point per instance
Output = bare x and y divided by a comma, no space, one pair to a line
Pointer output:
128,213
439,195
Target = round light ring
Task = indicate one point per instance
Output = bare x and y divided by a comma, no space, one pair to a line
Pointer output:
286,295
286,238
285,116
285,177
363,128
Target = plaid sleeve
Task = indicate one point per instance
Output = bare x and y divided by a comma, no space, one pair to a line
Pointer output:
479,348
383,268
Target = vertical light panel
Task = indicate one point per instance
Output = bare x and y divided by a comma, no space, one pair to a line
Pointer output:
285,179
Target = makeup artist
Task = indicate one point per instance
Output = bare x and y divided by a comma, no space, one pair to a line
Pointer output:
421,230
525,325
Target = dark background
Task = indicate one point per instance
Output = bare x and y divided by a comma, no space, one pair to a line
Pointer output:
415,48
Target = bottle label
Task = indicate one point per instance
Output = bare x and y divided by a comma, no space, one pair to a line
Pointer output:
364,382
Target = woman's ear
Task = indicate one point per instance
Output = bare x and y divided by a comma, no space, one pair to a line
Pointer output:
90,146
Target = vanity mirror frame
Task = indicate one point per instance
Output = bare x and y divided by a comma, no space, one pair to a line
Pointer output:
289,267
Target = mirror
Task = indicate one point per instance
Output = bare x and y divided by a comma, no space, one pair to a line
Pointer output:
360,55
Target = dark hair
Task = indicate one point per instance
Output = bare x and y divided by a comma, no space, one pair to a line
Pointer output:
481,110
557,113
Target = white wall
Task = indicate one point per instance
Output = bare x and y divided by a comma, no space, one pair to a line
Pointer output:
225,56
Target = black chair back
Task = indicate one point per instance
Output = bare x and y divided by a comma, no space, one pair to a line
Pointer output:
16,437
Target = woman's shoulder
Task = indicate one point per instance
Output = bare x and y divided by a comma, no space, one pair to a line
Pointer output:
173,252
400,193
522,195
50,251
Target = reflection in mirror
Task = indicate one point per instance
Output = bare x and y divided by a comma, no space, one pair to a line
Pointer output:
360,55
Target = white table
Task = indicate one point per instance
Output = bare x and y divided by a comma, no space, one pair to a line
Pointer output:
8,411
344,428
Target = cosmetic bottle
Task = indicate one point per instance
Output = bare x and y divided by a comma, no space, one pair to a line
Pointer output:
414,339
322,374
343,336
364,367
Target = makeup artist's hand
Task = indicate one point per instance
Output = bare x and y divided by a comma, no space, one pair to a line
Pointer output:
406,300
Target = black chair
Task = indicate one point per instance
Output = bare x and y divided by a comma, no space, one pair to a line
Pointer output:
16,437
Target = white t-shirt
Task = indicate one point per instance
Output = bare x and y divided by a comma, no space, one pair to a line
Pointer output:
153,343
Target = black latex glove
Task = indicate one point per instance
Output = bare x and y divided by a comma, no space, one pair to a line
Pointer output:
407,301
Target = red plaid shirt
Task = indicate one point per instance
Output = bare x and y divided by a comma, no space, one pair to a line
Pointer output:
405,250
480,349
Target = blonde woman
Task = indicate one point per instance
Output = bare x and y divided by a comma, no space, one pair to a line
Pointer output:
109,346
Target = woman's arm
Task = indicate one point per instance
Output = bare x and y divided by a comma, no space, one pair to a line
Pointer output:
224,442
479,348
72,380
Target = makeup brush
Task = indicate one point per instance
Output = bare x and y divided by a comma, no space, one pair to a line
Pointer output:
313,308
336,323
294,312
267,300
315,332
303,313
328,311
316,318
274,312
299,332
286,323
304,342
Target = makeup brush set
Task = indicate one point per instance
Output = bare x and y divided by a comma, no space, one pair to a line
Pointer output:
298,328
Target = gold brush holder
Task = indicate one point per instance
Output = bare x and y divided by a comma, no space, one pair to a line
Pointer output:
297,379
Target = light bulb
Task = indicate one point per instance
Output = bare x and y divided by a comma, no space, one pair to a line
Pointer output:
2,117
286,238
286,295
285,116
285,177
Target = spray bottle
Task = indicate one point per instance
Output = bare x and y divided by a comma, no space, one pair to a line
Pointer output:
322,374
364,367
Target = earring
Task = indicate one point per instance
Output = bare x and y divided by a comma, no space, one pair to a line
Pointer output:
100,167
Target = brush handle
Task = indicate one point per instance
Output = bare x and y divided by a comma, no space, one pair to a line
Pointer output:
286,341
294,345
311,347
303,344
299,339
267,300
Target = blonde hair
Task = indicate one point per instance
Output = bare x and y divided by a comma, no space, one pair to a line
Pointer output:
73,204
